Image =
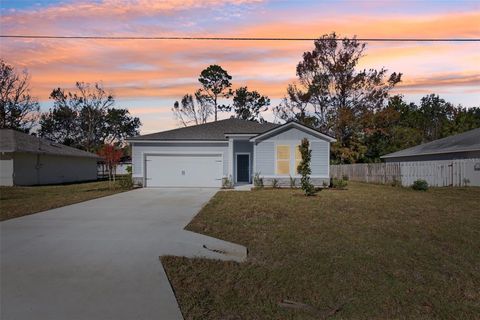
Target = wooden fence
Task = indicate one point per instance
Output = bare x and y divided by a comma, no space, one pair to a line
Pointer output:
437,173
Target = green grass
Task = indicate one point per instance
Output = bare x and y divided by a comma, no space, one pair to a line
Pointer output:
369,252
20,201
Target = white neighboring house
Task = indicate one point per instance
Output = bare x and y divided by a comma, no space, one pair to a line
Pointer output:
204,155
27,160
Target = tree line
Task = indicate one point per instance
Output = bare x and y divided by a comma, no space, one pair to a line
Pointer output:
332,94
85,117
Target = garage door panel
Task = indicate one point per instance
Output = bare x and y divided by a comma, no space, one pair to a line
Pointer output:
200,170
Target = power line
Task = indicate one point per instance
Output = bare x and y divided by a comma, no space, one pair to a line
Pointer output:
238,38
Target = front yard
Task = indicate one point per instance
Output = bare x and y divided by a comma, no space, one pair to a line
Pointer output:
369,252
20,201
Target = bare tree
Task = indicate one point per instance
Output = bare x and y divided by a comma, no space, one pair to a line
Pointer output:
18,109
193,109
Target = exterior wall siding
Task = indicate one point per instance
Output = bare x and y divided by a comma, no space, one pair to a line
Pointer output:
139,149
266,154
6,169
34,169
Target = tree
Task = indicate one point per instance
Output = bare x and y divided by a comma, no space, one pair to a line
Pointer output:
18,109
86,119
334,96
304,168
248,105
192,110
215,81
111,155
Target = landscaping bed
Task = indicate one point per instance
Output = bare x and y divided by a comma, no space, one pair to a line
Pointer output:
370,251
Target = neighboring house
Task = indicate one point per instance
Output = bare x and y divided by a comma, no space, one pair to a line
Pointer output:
204,155
461,146
28,160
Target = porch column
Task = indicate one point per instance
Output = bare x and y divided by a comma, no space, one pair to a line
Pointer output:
230,158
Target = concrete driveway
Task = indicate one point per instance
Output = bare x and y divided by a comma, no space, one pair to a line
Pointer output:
100,259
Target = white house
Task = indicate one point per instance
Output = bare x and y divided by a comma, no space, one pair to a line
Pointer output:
27,160
204,155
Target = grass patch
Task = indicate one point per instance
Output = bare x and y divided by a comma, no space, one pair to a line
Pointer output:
20,201
371,251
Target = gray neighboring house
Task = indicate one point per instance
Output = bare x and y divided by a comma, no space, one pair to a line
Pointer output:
465,145
204,155
27,160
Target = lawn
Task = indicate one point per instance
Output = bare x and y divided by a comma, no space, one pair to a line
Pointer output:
20,201
369,252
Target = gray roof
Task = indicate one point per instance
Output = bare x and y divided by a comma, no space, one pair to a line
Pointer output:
467,141
16,141
211,131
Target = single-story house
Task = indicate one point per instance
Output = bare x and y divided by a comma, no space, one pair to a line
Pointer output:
465,145
27,160
205,155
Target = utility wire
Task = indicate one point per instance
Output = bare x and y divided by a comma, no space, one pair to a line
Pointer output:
239,38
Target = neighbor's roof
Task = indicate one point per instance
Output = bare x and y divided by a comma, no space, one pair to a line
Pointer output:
16,141
463,142
211,131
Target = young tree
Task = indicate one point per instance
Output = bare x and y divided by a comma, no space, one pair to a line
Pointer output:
304,168
339,97
111,155
18,109
215,82
192,110
248,105
85,118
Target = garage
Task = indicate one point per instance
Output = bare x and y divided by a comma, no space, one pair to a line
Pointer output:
183,170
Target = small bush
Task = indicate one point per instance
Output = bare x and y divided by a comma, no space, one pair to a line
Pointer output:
274,183
227,183
396,183
125,182
257,180
338,183
293,182
420,185
345,177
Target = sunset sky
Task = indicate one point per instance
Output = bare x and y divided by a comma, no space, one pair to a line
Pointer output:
148,76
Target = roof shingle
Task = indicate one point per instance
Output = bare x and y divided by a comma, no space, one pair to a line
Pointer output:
211,131
467,141
16,141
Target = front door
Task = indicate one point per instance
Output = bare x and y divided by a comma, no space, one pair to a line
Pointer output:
243,168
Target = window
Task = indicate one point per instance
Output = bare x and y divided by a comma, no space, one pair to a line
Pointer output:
283,160
298,158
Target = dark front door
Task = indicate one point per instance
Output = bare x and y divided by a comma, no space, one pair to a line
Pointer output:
243,164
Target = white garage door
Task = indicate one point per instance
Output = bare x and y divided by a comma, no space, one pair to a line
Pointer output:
187,170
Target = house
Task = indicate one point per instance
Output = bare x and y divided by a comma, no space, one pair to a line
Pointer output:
27,160
204,155
465,145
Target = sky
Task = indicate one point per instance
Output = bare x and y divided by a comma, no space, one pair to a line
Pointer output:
147,77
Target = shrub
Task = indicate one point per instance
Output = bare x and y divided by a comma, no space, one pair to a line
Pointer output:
227,183
274,183
396,183
345,177
338,183
304,168
420,185
293,182
257,180
126,182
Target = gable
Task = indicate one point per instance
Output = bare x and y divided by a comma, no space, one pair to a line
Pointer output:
293,133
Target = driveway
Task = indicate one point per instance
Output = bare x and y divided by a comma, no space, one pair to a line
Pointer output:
100,259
